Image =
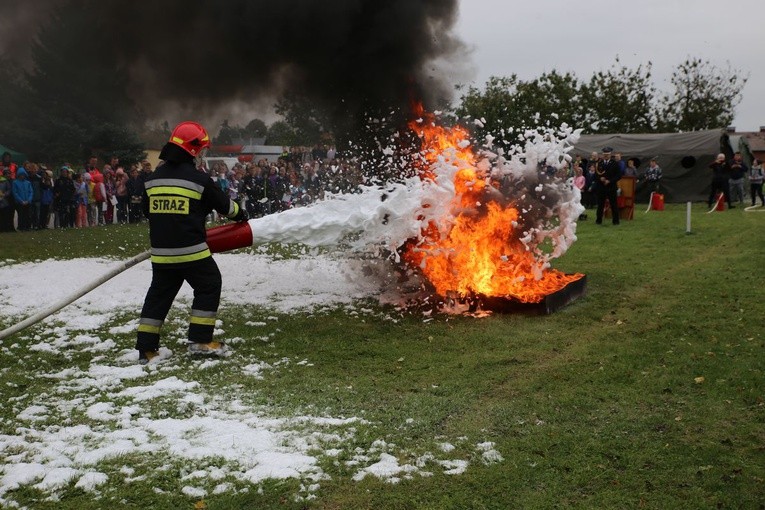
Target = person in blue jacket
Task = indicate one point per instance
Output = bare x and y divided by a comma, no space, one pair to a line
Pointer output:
22,196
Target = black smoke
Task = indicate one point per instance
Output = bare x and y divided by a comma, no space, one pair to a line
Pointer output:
350,58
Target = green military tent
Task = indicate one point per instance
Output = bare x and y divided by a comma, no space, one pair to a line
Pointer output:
684,159
16,156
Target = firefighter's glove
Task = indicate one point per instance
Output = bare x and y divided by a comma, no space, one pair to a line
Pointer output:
241,215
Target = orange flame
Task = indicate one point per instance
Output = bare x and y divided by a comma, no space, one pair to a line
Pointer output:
482,253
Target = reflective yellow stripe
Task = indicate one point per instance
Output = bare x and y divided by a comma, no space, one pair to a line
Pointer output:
175,259
148,328
182,183
204,321
174,190
176,140
233,205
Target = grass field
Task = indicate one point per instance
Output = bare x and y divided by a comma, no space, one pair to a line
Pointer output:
648,392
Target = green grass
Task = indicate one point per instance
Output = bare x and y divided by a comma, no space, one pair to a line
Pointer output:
596,406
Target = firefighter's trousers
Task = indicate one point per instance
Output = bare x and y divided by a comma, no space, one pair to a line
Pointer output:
204,277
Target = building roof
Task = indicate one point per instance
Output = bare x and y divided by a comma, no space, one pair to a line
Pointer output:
262,149
755,141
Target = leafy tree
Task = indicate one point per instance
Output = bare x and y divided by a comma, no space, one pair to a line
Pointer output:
227,133
553,97
155,136
509,103
15,106
704,96
620,100
116,140
495,104
256,128
281,133
306,119
75,88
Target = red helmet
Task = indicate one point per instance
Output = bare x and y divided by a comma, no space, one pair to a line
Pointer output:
191,137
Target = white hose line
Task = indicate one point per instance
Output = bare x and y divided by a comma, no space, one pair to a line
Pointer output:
73,297
717,203
755,208
650,202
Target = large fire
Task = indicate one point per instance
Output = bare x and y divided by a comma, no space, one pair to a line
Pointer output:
482,253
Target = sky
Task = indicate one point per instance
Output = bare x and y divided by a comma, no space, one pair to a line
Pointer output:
530,38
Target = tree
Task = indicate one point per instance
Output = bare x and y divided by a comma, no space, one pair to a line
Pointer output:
620,100
509,103
306,119
704,96
495,104
227,133
15,105
256,128
75,88
116,140
155,136
281,133
553,97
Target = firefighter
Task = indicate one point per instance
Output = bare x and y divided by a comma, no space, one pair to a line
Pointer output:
607,175
176,199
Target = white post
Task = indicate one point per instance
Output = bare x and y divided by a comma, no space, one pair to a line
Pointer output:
688,218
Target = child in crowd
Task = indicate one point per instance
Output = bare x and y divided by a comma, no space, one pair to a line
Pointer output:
631,170
579,183
46,199
756,178
81,184
588,197
121,192
92,216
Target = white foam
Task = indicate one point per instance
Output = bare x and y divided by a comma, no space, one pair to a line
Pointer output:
388,216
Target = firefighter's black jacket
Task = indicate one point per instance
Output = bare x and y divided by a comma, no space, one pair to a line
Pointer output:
177,198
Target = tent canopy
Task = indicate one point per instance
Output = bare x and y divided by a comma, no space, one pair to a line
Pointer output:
16,157
684,159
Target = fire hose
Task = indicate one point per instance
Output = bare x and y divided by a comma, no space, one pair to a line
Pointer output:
650,201
720,197
219,239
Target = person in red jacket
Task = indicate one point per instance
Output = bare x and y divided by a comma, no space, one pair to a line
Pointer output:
6,163
176,199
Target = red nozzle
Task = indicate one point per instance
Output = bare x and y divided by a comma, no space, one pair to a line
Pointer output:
229,237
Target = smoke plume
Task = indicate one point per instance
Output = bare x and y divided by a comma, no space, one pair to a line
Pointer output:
347,57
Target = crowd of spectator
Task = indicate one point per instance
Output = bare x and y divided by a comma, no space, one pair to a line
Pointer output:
34,197
42,198
299,177
583,173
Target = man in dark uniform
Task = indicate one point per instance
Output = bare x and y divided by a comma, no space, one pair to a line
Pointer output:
176,200
607,174
720,175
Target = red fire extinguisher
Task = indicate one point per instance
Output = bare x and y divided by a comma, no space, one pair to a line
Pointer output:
720,202
657,201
